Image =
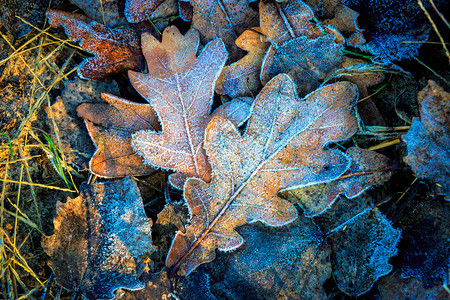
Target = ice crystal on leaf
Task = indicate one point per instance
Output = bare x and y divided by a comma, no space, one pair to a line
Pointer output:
282,148
180,87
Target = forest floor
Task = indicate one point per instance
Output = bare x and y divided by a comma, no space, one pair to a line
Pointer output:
38,63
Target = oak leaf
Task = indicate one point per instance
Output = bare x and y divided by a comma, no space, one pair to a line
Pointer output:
425,243
311,53
307,60
428,139
186,10
225,19
106,12
101,238
281,22
362,240
358,265
299,47
242,77
359,72
159,286
116,50
344,19
139,10
274,263
111,126
64,124
368,168
180,88
283,148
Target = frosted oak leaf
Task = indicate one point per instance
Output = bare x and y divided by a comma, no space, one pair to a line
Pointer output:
180,87
101,240
116,50
283,148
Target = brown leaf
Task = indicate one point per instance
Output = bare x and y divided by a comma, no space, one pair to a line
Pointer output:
65,126
167,9
428,139
226,19
159,286
308,52
368,168
186,10
364,75
344,19
361,73
273,263
299,47
358,265
281,149
308,61
284,21
180,87
111,127
139,10
100,240
169,216
116,50
105,12
242,77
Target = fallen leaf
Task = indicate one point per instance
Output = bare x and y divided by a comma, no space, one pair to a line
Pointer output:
242,77
111,126
361,73
225,19
167,9
299,47
186,10
169,216
399,288
288,263
311,53
159,286
308,61
173,217
368,168
428,139
281,149
362,241
344,19
425,244
105,12
180,88
395,30
115,50
140,10
100,240
66,127
284,21
361,251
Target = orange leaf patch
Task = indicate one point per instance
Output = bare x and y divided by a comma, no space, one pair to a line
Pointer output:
116,50
111,127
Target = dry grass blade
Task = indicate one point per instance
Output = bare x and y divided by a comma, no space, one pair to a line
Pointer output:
20,215
427,14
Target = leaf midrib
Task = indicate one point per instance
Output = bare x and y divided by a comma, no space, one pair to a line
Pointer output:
241,187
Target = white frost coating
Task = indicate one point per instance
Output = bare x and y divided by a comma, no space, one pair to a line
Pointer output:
110,234
282,147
